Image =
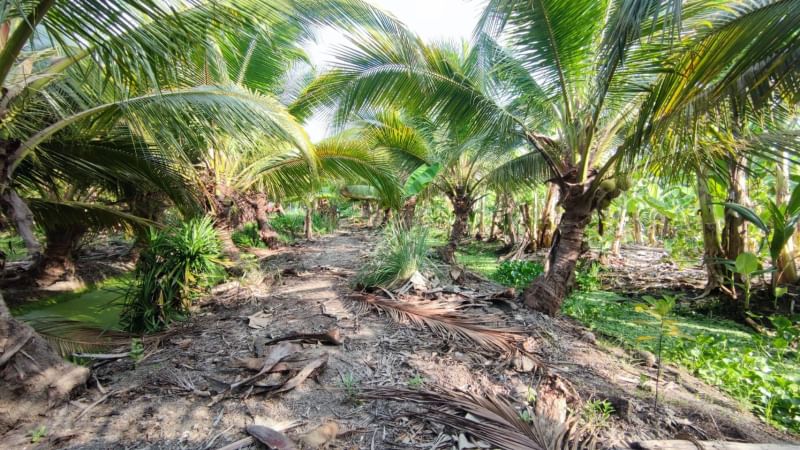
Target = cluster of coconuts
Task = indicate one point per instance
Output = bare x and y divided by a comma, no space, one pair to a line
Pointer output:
612,188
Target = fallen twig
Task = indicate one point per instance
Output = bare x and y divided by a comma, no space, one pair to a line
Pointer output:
241,443
101,356
332,337
11,351
100,400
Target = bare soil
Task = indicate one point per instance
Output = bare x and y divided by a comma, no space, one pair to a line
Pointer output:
162,402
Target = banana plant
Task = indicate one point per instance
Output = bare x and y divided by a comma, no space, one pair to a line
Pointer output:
778,225
414,185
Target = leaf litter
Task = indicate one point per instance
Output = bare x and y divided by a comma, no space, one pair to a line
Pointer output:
462,365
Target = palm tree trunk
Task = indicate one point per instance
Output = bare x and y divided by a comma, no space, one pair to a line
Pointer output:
547,222
308,222
651,234
19,213
34,376
530,244
481,212
366,213
408,212
462,207
509,226
712,251
616,246
549,290
734,233
387,216
225,233
58,259
786,268
636,227
493,225
265,232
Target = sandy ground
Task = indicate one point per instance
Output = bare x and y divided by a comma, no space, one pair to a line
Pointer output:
163,403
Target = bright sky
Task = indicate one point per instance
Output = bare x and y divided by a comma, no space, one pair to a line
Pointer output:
431,19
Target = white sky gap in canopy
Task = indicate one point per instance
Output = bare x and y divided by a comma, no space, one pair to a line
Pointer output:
431,19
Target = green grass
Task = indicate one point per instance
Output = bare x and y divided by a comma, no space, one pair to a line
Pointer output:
98,305
756,370
480,257
614,316
13,247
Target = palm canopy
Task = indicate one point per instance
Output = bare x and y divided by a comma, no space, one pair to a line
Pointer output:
584,82
171,73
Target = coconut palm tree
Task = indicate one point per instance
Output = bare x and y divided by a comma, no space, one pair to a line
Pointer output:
592,87
146,54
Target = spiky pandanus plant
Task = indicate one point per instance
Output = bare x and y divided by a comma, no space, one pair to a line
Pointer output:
592,87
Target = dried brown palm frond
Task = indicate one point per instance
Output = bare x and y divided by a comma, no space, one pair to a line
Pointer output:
72,336
450,323
492,419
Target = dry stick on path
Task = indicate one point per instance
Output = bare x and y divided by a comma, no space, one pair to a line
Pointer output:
330,337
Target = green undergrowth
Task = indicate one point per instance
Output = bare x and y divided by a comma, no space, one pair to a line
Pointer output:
12,246
289,227
98,305
760,371
480,257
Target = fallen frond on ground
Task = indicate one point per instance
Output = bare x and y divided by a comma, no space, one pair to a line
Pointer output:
448,322
73,336
492,419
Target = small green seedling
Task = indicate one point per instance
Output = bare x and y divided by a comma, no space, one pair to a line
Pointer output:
137,350
661,310
350,385
38,434
416,382
746,265
597,413
531,398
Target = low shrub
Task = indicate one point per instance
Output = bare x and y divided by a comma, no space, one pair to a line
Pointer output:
176,265
517,273
324,223
587,276
288,225
401,253
248,236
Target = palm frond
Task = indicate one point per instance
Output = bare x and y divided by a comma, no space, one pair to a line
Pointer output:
54,214
490,418
553,39
72,336
520,173
229,108
389,72
360,192
449,323
740,52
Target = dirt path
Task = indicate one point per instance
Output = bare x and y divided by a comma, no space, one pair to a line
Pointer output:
161,403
